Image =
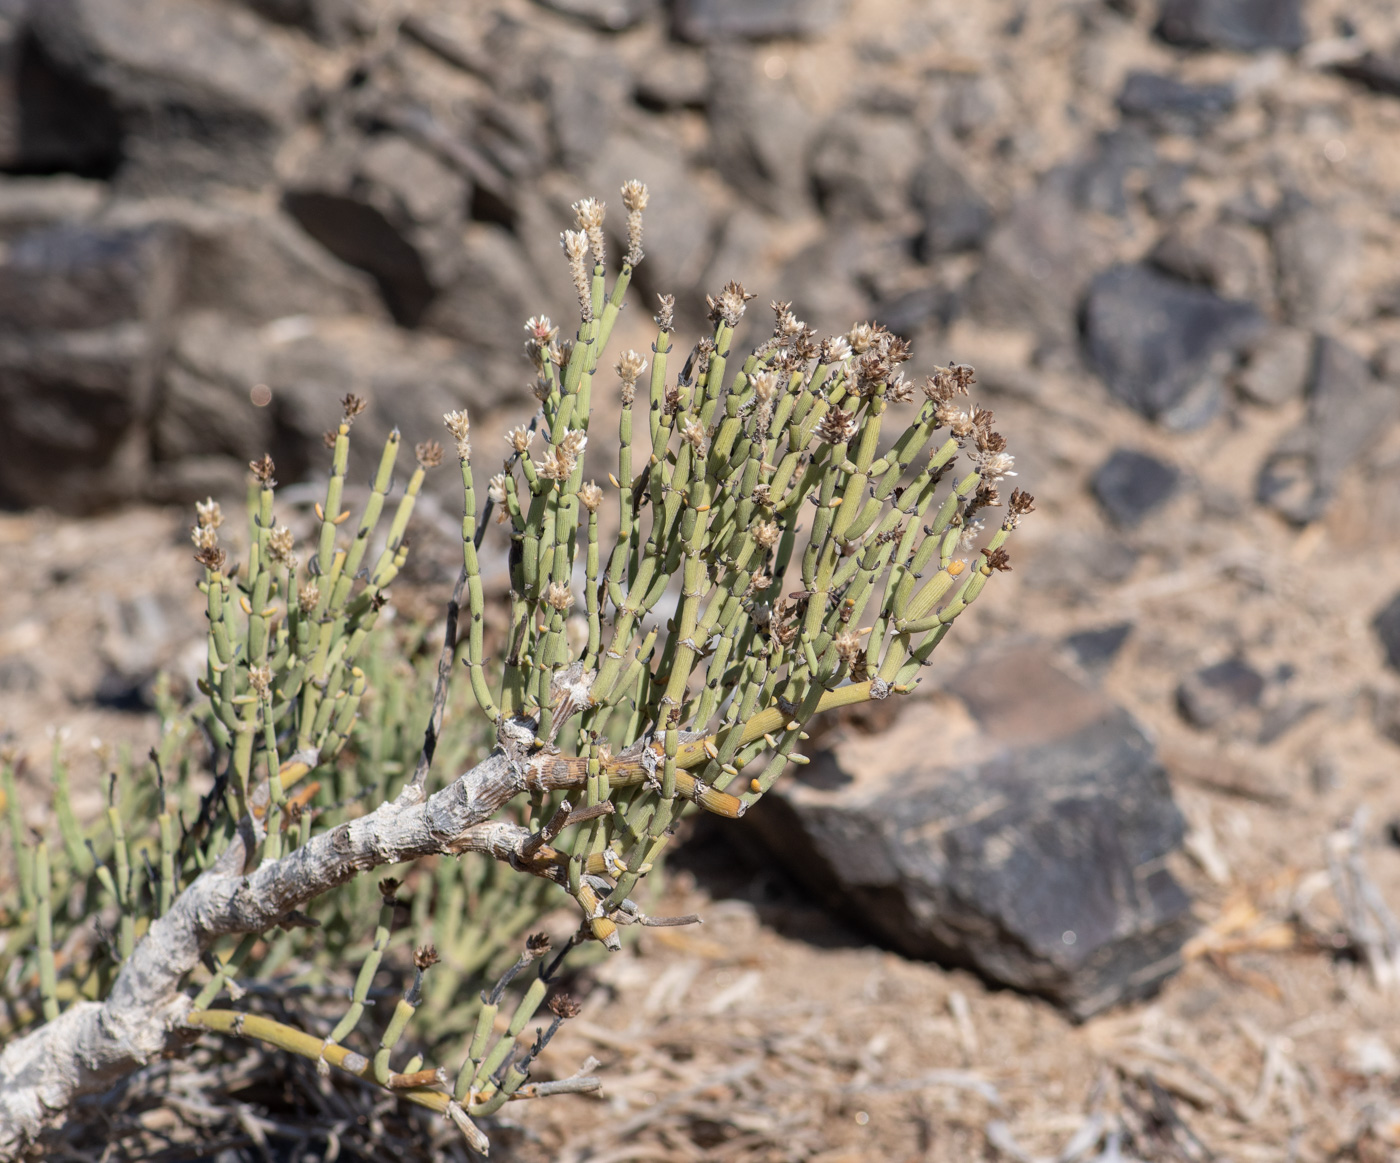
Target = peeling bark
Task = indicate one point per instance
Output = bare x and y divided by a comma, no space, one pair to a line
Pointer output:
94,1045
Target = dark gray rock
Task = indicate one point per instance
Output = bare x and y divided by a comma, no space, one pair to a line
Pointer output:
496,291
956,216
760,131
708,21
1278,367
1035,855
586,94
201,93
863,166
329,21
1038,263
1317,259
1215,693
389,207
906,314
1153,338
607,15
254,266
204,407
675,79
1349,412
1387,627
50,118
1240,25
1165,195
1169,105
1099,180
1130,485
1379,73
84,318
1229,258
1095,650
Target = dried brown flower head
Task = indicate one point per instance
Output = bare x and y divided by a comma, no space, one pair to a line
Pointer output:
387,888
565,1006
429,453
537,945
837,426
998,559
425,957
212,558
352,405
263,470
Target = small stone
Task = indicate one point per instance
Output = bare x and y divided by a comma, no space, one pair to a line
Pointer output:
1214,693
1166,195
1387,627
1169,105
677,79
1237,25
1099,180
956,216
761,131
863,165
1318,260
1229,258
1095,650
709,21
1130,485
1154,338
1380,74
606,15
1278,367
1348,413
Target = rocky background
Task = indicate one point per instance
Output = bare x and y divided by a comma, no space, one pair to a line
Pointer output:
1164,232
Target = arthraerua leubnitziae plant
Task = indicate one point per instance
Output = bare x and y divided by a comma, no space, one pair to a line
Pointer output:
764,547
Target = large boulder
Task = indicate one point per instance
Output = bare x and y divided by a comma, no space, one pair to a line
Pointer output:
202,93
85,315
1026,841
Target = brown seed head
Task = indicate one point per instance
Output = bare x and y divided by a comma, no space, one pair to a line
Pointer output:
352,405
263,470
330,436
998,559
425,957
429,453
387,888
212,558
537,945
837,426
564,1006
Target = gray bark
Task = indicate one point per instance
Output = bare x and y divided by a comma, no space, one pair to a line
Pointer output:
93,1045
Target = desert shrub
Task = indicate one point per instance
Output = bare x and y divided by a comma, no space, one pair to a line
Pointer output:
775,546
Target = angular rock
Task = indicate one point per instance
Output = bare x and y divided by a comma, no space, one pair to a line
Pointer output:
863,166
1095,650
204,407
1165,195
28,203
1038,263
328,21
676,79
587,92
202,93
606,15
709,21
1229,258
1349,412
1214,693
1099,180
956,216
1278,367
1379,73
1153,339
84,318
1387,627
254,266
1169,105
1132,484
50,119
496,291
389,207
1239,25
1317,259
1029,848
760,132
